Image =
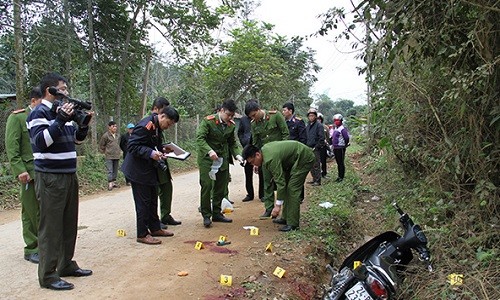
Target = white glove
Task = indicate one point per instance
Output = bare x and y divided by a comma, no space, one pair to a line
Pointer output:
239,158
211,174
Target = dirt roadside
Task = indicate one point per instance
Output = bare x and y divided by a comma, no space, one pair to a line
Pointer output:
125,269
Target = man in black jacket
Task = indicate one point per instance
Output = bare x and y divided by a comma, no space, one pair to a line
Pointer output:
315,140
245,137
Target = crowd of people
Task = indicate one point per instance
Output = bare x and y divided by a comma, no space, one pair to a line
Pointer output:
40,141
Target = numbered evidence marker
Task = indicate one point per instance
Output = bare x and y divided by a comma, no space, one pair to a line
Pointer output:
357,263
198,246
269,247
226,280
121,233
222,238
456,279
254,231
279,272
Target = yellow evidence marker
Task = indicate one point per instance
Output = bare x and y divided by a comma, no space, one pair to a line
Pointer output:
198,246
269,247
455,279
121,233
279,272
226,280
357,263
254,231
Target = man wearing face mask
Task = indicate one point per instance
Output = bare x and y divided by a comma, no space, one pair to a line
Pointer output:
216,143
340,141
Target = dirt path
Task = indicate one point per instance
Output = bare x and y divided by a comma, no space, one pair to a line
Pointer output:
125,269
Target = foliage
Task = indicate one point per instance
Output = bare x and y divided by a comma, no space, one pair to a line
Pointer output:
345,107
256,63
434,73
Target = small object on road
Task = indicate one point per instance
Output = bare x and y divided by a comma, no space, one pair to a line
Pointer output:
121,233
182,273
223,243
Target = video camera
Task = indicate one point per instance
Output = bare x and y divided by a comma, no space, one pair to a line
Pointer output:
81,117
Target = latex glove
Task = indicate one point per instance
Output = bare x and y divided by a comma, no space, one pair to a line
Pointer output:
276,211
240,159
211,174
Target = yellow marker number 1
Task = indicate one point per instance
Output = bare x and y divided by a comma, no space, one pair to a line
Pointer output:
226,280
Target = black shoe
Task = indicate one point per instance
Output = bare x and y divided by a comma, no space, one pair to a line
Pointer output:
325,176
59,285
339,179
287,228
266,214
247,198
316,183
221,218
32,257
169,220
279,221
206,222
77,273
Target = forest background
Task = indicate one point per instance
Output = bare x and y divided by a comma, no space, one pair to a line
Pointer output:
431,68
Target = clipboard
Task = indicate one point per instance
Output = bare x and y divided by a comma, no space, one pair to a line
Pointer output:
177,152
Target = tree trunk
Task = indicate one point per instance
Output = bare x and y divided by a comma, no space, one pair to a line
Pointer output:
145,85
93,124
123,65
18,48
67,50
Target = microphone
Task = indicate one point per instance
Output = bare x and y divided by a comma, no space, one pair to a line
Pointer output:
55,92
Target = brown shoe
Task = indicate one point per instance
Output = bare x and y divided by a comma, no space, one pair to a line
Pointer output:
148,239
162,232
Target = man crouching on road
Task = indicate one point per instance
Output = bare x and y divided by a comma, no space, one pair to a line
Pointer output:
288,162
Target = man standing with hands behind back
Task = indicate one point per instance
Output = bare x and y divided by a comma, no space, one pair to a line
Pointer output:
53,138
18,148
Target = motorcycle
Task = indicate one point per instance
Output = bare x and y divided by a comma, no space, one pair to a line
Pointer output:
376,269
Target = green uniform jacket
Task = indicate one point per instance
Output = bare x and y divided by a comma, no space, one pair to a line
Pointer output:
271,128
211,135
283,157
17,143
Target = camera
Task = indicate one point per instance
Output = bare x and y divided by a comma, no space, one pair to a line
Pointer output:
162,165
81,117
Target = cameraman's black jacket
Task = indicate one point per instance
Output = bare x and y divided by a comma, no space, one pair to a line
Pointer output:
138,165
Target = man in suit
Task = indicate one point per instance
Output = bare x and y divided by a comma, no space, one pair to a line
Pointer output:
216,146
245,137
140,167
288,162
20,155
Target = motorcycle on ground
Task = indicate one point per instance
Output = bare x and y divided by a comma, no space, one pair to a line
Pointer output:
375,270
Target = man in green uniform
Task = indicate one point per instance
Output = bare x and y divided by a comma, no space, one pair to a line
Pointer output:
20,155
288,162
267,126
216,144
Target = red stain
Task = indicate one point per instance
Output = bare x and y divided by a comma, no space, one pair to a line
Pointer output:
211,246
233,293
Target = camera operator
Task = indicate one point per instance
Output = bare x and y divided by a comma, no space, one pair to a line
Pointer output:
53,137
141,168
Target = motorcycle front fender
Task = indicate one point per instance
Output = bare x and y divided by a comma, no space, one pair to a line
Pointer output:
367,249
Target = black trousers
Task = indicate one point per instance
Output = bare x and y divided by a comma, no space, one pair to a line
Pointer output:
249,182
339,158
146,208
322,155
